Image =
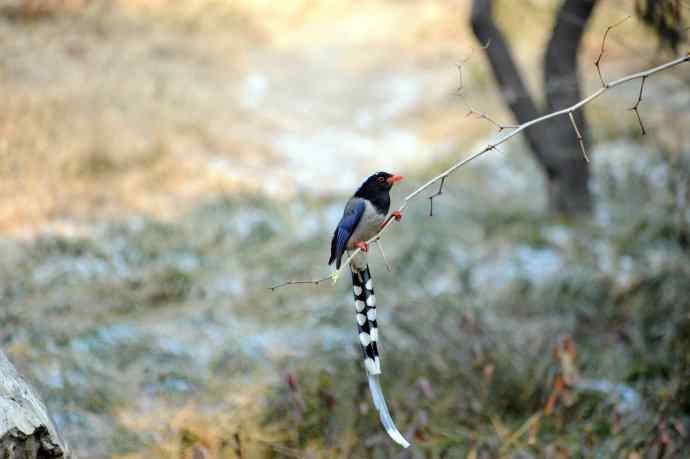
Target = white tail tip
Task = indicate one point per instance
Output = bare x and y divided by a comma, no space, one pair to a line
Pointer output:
380,404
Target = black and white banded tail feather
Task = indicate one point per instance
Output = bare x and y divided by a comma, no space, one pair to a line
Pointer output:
367,329
365,316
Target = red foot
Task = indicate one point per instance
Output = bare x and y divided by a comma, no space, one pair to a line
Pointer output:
395,214
362,245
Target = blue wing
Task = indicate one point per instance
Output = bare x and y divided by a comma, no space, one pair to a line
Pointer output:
351,217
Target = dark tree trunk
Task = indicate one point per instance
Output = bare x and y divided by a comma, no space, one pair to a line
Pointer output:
553,142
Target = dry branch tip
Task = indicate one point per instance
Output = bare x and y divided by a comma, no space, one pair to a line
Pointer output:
435,195
603,48
579,136
383,255
637,104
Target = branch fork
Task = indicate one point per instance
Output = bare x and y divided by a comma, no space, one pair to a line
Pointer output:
597,63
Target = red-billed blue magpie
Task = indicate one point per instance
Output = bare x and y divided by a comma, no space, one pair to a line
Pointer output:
364,215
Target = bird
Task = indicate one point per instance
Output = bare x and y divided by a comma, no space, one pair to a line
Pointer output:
364,216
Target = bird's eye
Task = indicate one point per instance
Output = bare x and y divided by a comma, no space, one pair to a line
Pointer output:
381,179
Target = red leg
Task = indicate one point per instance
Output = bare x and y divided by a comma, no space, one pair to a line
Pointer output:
362,245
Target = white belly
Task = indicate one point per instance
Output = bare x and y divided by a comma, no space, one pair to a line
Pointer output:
368,226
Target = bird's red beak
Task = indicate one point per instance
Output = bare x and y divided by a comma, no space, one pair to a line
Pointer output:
394,178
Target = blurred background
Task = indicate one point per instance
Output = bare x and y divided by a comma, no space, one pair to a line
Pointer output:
163,163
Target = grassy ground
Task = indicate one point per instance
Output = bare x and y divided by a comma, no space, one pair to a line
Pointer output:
162,337
151,191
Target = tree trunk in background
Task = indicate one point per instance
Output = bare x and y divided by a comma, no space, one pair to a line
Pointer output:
26,431
553,143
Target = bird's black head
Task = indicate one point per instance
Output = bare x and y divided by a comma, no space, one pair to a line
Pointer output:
377,186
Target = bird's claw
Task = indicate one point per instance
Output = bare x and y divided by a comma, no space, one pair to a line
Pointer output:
396,214
363,246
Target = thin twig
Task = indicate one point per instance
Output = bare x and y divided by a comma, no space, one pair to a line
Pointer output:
471,110
461,82
637,104
579,136
504,138
465,60
383,255
484,116
435,195
302,282
603,46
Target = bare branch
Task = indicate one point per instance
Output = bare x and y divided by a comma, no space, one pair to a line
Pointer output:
484,116
461,81
471,110
637,104
494,146
579,136
465,60
603,47
435,195
302,282
383,255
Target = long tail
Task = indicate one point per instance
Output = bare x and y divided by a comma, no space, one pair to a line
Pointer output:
367,327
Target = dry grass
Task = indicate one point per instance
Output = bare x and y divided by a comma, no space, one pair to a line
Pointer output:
114,117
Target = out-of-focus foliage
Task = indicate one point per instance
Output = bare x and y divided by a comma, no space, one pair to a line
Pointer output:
666,18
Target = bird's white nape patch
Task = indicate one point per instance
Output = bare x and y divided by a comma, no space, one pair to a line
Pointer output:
364,338
371,314
368,285
373,367
357,289
374,334
359,305
371,301
361,319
